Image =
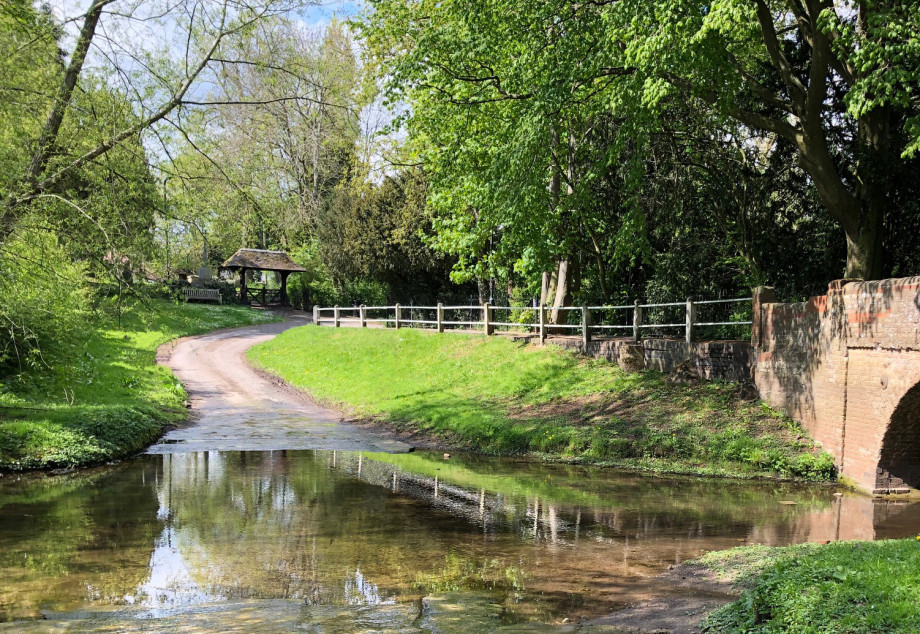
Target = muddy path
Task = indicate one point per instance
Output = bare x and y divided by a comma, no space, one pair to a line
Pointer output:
235,407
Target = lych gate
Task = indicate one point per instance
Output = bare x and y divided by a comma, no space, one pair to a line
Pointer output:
847,365
262,260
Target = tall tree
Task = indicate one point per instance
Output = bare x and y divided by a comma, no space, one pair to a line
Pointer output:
836,80
258,167
832,77
158,80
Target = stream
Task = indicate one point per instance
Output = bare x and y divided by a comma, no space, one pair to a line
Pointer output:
326,540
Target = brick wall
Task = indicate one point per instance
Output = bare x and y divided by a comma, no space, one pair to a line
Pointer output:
845,365
723,360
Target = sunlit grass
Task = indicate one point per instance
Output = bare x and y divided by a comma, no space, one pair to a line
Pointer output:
838,587
501,397
105,397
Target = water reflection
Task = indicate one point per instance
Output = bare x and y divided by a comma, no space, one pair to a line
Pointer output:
163,534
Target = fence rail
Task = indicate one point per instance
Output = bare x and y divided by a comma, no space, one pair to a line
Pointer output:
441,317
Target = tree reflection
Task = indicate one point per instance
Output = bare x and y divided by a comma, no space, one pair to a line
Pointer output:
346,533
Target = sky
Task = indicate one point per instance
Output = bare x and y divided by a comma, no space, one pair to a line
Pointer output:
126,42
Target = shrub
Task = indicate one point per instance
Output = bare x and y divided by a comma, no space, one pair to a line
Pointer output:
44,300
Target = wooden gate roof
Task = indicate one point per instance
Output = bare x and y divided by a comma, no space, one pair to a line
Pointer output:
263,260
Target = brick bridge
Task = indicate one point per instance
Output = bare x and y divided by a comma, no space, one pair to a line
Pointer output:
847,365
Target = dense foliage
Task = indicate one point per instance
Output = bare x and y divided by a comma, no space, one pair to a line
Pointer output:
652,148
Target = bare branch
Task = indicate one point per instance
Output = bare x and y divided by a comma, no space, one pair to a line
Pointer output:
774,49
753,119
62,100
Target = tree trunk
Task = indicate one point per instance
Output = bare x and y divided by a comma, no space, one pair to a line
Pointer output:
482,289
563,298
864,244
556,288
65,91
860,210
548,287
864,237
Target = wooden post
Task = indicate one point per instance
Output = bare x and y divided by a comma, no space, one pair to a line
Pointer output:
242,286
691,318
362,313
440,317
284,297
585,327
316,315
335,315
542,323
398,315
487,318
637,321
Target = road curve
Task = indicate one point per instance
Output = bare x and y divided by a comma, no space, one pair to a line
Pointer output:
236,408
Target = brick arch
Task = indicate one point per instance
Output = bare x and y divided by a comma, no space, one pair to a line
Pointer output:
847,366
899,460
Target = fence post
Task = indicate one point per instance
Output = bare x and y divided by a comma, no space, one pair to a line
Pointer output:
487,318
316,314
440,317
362,313
585,327
637,321
398,315
335,315
542,323
691,318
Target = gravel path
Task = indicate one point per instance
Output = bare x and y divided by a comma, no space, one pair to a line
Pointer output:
237,408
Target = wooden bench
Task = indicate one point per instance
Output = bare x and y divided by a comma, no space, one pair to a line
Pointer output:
204,294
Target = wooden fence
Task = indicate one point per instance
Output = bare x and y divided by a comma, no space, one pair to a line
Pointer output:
593,319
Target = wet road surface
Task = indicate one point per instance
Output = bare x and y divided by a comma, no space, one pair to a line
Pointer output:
237,408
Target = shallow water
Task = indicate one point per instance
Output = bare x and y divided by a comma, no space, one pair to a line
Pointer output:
343,541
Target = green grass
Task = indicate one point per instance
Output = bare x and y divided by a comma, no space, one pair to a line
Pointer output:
104,397
838,587
500,397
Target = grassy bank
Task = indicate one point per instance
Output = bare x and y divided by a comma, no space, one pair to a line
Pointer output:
838,587
504,398
104,397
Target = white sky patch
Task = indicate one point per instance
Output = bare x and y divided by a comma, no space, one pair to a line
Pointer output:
134,38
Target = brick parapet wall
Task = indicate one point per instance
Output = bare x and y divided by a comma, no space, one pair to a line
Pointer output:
841,364
720,360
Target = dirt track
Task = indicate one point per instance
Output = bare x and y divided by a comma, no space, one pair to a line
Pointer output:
236,408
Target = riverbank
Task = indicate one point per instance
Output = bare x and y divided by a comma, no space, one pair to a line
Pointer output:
838,587
500,397
105,398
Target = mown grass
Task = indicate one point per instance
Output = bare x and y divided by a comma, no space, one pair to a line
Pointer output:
501,397
104,397
838,587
